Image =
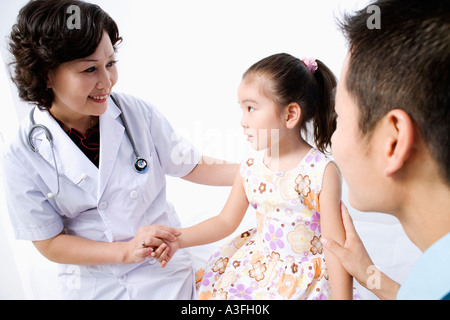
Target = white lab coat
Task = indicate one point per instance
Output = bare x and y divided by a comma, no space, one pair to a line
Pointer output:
109,205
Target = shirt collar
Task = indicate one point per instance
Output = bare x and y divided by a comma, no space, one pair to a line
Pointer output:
430,277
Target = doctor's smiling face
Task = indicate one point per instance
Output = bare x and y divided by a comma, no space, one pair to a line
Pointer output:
81,87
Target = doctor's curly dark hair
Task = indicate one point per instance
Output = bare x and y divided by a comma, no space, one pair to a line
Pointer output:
42,39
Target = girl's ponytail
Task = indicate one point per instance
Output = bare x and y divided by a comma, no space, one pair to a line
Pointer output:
324,120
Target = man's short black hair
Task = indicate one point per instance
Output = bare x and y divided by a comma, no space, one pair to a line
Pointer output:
405,64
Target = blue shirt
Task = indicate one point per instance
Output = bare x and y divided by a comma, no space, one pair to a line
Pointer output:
430,277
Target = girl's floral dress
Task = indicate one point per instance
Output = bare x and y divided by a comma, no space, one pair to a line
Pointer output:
282,258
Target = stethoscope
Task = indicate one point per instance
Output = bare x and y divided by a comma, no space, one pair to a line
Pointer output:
140,165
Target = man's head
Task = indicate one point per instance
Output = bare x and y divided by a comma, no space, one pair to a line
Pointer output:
393,97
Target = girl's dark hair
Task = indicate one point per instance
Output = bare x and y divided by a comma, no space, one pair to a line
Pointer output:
291,81
42,39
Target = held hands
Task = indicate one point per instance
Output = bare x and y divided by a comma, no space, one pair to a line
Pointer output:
165,252
153,241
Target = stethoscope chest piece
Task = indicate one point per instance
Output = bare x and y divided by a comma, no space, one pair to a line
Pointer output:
140,165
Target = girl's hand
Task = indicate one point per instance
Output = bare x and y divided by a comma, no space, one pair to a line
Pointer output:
165,252
147,238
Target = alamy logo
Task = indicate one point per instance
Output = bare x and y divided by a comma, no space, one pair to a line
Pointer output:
74,21
74,278
374,21
374,279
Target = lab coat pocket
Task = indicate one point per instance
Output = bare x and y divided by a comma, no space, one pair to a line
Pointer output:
162,213
173,216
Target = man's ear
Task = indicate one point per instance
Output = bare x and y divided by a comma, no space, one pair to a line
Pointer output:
400,132
293,114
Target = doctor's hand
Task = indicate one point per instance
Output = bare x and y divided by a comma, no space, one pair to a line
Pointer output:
148,239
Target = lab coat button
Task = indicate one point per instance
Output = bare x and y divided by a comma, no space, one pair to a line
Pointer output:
103,205
122,279
133,194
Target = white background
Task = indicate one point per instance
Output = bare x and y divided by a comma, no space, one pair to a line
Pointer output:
187,58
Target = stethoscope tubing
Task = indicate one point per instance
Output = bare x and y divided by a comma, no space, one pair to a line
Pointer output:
140,165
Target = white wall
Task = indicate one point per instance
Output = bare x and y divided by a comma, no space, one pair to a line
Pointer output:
187,57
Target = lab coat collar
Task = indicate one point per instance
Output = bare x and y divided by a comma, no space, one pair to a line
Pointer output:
111,137
72,163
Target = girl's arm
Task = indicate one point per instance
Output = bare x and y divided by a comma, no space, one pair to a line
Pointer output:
220,226
332,227
213,172
354,257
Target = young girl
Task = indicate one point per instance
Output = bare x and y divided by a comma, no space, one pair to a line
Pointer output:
294,188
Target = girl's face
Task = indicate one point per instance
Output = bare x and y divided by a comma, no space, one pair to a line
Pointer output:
82,87
260,116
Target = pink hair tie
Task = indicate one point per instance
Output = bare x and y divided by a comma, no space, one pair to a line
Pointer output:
311,64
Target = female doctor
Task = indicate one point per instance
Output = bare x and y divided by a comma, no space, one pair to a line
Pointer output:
85,175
